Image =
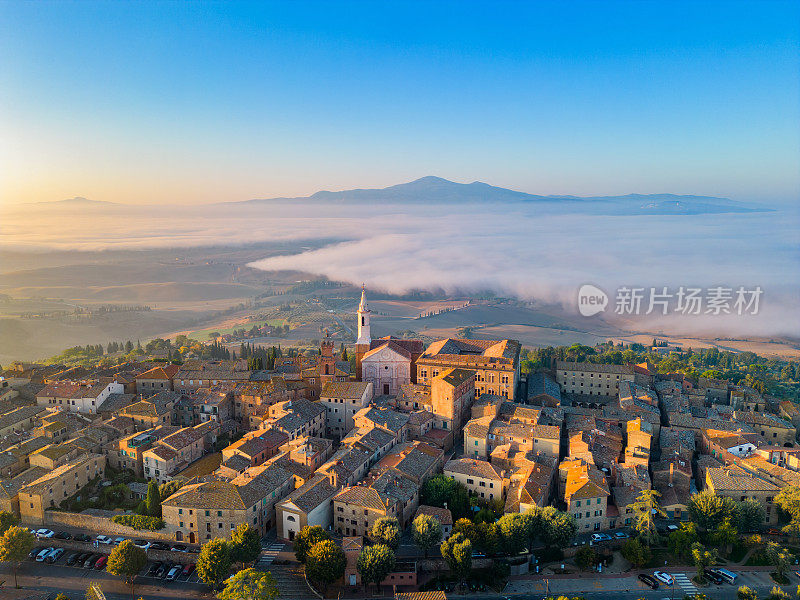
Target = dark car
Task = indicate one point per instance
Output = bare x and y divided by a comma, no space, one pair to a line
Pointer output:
193,550
163,570
151,572
179,548
72,558
35,552
90,560
82,537
713,576
648,581
159,546
63,535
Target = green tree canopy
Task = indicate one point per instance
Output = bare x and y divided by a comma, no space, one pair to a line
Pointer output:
708,510
325,563
457,552
702,558
750,515
165,490
250,584
746,593
513,532
636,553
152,501
375,563
645,509
427,532
214,562
779,557
245,544
788,499
440,489
15,545
386,530
127,560
585,558
7,519
559,528
680,542
306,538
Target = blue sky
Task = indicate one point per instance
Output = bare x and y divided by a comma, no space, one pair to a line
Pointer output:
202,102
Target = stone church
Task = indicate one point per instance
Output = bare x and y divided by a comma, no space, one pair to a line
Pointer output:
386,362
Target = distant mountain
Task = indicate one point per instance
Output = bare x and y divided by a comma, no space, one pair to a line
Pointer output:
76,201
435,190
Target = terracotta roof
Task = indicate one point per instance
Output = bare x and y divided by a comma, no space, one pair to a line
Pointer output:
443,515
351,390
165,372
387,345
362,496
472,466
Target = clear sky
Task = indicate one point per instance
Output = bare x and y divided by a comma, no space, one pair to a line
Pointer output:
154,102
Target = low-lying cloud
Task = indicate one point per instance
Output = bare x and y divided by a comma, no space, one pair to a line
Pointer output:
526,251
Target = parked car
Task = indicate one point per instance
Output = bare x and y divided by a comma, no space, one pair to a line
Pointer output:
648,581
103,539
143,544
44,554
72,558
81,558
151,572
600,537
620,535
82,537
194,550
179,548
100,564
159,546
90,560
163,570
188,569
712,575
35,552
44,533
665,578
118,540
64,535
54,555
174,572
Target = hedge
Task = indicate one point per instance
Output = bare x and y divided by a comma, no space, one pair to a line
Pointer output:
139,522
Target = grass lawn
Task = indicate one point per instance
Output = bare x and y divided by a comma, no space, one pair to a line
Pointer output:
205,466
737,553
662,554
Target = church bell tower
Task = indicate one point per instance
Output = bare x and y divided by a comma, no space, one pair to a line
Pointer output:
364,341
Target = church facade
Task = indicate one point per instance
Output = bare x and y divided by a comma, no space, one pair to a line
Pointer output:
387,362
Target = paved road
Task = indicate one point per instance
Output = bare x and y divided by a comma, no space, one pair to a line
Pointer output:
72,581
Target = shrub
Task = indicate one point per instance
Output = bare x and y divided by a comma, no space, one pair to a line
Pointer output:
139,522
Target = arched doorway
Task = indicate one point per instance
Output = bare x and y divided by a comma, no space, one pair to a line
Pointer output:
191,538
178,536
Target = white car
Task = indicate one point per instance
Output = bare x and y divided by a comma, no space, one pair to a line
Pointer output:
54,555
103,539
664,578
174,572
143,544
45,533
44,554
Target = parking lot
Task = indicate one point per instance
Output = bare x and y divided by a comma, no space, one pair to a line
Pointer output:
86,560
